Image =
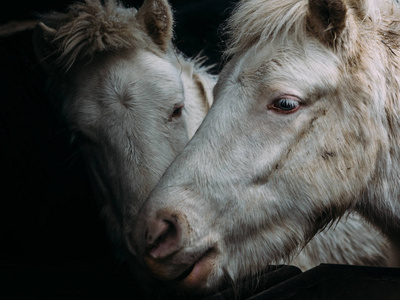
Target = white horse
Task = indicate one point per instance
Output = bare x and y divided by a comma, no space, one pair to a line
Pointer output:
128,97
122,88
304,129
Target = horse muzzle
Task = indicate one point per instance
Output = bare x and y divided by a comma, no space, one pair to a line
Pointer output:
171,254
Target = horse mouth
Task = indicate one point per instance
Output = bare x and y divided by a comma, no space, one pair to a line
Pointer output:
197,274
186,273
177,271
185,276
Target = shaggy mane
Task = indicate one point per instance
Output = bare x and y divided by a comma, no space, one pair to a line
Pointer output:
93,26
256,21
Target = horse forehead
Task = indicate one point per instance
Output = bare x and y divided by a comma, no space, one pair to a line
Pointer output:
139,66
139,77
298,65
137,82
160,67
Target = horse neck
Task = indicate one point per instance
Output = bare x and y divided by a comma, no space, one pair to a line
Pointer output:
382,205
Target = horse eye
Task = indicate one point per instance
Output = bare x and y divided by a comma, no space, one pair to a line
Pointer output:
177,112
285,105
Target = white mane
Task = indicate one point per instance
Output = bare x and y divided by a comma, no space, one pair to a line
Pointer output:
91,27
255,22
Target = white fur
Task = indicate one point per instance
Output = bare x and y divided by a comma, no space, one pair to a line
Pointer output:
120,103
253,185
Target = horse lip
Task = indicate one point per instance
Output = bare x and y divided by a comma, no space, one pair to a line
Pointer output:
185,276
196,275
186,273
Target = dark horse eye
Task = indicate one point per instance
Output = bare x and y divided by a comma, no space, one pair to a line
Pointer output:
285,105
177,112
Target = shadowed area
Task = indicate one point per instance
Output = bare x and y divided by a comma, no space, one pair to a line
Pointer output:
51,236
52,241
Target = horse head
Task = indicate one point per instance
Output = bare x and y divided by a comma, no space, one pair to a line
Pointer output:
129,99
304,129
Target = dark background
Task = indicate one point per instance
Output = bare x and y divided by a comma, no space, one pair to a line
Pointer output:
52,242
197,22
49,224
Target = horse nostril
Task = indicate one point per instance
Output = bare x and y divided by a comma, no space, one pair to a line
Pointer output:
163,237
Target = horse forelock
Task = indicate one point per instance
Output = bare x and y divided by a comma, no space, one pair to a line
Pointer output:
257,21
92,27
254,22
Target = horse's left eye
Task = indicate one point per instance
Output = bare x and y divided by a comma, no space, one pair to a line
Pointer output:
177,112
285,105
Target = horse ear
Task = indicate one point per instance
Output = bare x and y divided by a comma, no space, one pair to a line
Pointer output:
43,36
327,19
156,18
